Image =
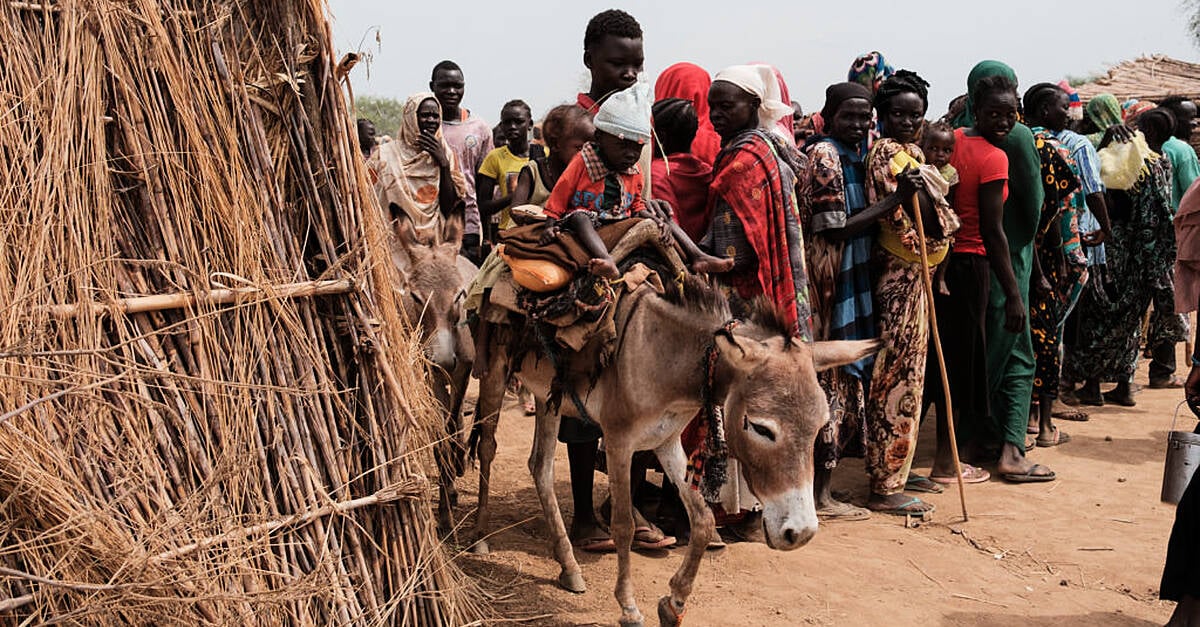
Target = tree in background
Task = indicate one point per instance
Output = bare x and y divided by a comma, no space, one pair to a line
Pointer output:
384,112
1192,8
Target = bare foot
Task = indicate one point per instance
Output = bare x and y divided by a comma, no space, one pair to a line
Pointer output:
604,268
708,264
1016,468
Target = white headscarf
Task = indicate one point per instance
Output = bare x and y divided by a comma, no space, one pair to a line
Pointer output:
760,81
626,114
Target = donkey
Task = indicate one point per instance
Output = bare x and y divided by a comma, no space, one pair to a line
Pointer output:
435,278
773,406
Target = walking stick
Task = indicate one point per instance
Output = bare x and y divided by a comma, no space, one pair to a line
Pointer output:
937,346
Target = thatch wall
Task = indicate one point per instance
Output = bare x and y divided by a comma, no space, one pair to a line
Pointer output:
244,446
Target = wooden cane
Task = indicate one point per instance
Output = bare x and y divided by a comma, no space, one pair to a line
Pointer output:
937,349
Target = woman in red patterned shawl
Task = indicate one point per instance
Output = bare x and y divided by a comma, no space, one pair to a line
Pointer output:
753,199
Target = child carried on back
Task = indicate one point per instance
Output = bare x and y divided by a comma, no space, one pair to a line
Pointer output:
603,184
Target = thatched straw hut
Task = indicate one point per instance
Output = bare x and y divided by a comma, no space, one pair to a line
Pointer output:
1147,78
211,410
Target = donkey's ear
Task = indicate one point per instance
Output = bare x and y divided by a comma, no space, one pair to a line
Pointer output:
452,230
406,233
828,355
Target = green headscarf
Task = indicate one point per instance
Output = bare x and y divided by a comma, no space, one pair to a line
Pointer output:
1025,194
1104,111
982,70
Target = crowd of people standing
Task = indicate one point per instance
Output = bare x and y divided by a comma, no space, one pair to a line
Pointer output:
1047,229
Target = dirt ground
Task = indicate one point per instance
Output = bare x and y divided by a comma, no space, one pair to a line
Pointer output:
1087,549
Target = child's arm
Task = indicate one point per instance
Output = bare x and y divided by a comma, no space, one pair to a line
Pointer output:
485,189
523,190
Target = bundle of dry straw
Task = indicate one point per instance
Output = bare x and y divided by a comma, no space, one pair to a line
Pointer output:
211,410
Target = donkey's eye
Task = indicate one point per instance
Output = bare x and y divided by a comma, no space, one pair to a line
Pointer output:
763,431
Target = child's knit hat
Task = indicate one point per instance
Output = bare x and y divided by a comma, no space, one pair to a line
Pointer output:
626,114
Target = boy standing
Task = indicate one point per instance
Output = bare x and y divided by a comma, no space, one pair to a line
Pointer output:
471,140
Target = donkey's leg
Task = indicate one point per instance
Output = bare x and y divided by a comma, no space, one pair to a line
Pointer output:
458,394
674,463
620,458
487,417
444,454
541,466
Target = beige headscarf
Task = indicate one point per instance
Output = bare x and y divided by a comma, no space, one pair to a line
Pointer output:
408,177
759,80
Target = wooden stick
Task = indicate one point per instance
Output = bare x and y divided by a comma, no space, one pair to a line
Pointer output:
386,495
183,300
937,349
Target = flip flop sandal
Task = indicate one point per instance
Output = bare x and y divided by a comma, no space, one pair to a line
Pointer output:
970,474
844,512
1029,476
596,544
1073,415
904,508
1030,443
1060,437
650,538
917,483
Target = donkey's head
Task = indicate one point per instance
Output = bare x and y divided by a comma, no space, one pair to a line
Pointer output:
434,291
773,411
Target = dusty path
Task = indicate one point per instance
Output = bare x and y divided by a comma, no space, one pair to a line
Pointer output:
1085,550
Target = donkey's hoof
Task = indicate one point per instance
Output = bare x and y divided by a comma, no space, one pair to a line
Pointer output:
572,582
631,623
481,548
666,613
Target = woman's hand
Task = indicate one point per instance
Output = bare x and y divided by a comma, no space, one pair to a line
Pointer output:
1014,314
939,281
1118,133
909,182
430,144
1095,238
660,212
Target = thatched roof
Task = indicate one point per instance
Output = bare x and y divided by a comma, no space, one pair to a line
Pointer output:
1148,78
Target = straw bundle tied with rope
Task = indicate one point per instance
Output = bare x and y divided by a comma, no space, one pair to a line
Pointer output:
211,408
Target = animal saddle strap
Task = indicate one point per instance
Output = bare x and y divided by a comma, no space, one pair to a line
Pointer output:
708,464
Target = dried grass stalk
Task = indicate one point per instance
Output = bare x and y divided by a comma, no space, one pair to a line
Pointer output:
171,453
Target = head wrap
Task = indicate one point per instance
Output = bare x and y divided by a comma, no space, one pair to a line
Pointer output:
626,114
691,82
869,70
1075,105
407,176
838,93
1104,111
785,126
760,81
982,70
1133,107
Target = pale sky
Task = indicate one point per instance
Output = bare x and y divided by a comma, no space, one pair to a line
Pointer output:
533,49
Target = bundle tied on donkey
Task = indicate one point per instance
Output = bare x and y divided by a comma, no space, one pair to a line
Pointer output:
653,353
